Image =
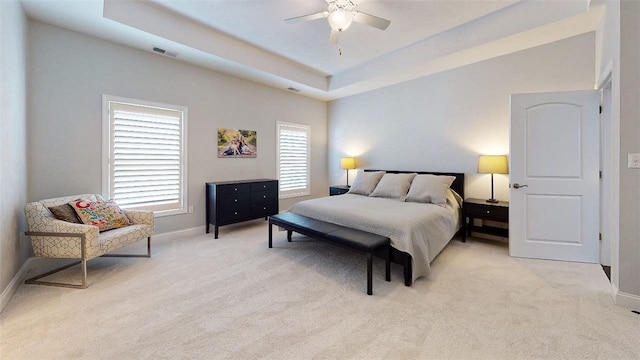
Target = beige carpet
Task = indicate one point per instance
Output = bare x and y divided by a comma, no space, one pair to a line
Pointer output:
233,298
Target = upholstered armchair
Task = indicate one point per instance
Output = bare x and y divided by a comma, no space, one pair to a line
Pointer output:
53,238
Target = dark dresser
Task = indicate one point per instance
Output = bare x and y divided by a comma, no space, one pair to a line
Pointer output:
230,202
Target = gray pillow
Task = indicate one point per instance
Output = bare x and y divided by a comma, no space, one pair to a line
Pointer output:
430,189
66,213
393,186
365,182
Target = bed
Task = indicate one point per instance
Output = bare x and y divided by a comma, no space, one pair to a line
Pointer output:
418,231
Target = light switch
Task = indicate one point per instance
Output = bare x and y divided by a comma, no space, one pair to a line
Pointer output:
633,161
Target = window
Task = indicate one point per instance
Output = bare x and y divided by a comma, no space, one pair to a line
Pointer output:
144,155
293,159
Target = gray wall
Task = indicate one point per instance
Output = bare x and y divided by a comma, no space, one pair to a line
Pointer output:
444,121
629,273
13,150
619,57
69,72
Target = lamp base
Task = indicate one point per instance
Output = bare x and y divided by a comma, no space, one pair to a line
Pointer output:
493,201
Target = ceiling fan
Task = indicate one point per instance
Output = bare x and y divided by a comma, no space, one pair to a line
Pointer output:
340,14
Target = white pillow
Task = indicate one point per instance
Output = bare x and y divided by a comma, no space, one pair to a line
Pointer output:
365,182
430,189
394,186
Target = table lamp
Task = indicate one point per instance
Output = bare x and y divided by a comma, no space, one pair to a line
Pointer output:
493,164
347,163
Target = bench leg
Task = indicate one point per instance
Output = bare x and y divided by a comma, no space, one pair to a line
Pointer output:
369,270
289,235
270,235
388,263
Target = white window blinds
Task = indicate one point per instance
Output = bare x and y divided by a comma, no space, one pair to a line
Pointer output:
147,161
293,159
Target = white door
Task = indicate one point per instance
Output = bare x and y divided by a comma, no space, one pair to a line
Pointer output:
554,166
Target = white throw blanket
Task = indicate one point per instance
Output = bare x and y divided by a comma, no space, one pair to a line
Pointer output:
421,230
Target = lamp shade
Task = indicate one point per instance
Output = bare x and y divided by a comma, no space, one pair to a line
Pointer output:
493,164
347,163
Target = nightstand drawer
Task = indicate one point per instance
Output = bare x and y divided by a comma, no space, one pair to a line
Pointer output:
488,212
338,190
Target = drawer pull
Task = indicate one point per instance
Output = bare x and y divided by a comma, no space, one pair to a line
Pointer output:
488,212
264,186
236,213
264,208
236,200
264,196
235,189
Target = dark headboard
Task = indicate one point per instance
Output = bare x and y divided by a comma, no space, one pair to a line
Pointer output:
457,186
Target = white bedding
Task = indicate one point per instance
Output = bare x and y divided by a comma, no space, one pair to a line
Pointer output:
421,230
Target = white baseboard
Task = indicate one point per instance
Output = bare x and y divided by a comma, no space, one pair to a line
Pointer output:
17,280
625,300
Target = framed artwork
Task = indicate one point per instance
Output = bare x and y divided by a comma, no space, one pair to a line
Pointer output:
237,143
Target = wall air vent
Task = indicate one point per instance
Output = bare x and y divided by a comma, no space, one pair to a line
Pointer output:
165,52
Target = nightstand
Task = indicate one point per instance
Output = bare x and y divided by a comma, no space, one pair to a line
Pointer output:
338,190
481,209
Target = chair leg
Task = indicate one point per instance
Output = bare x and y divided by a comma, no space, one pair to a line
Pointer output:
36,279
148,254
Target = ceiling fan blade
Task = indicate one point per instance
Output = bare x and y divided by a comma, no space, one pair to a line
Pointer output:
310,17
333,37
371,20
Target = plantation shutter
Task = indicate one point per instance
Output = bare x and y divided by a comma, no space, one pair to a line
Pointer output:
293,159
146,160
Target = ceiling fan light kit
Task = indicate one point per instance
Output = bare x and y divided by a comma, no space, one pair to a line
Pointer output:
340,14
340,20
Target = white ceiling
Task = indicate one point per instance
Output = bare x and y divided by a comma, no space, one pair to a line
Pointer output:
249,38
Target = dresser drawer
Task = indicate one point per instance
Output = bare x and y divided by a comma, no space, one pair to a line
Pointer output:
233,212
229,191
264,209
271,186
488,212
239,198
263,196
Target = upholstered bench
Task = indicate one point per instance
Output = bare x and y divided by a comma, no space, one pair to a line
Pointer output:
358,240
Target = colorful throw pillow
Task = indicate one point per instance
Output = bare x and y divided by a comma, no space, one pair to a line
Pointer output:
66,213
365,182
105,215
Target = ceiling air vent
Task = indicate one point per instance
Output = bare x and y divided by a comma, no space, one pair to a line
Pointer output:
165,52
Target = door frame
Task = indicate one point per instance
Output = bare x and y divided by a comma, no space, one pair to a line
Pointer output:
606,170
612,130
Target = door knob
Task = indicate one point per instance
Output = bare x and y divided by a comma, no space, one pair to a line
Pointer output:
518,186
